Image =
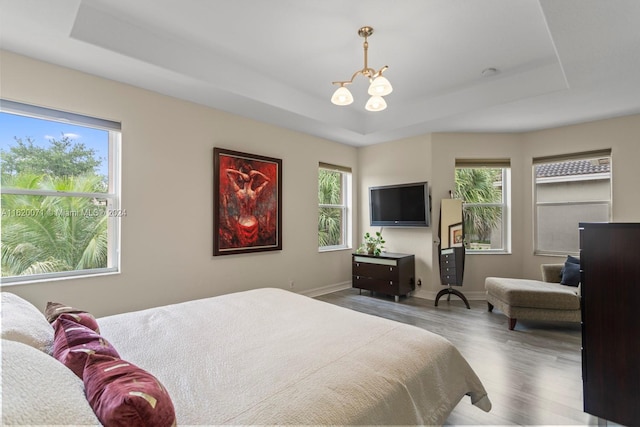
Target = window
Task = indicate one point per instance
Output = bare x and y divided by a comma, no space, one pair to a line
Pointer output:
334,201
483,185
60,194
569,190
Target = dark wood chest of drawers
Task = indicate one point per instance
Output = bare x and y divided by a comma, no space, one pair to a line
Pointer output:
389,273
451,266
610,280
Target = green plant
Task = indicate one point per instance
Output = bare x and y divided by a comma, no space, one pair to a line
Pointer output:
372,244
330,217
52,234
480,186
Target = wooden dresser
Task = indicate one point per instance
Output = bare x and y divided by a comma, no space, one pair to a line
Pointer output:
389,273
610,280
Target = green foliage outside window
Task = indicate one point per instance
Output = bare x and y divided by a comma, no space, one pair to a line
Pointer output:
480,188
48,233
63,157
330,201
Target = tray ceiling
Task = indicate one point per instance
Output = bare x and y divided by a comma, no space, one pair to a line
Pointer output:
558,61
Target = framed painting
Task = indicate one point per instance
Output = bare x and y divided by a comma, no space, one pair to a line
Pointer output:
247,203
455,235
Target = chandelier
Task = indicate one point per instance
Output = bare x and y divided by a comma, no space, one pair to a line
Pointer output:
378,88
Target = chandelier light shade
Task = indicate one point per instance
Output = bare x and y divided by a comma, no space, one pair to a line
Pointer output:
379,85
376,103
342,96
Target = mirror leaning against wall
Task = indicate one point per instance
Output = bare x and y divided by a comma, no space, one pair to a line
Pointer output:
451,249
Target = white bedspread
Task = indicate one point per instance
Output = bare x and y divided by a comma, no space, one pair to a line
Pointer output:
270,356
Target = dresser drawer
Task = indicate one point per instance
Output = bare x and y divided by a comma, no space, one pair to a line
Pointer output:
450,279
448,271
447,262
380,271
375,284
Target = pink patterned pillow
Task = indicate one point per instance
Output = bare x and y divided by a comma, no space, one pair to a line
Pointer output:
122,394
73,342
56,309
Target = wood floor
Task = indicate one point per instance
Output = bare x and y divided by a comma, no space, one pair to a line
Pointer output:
532,374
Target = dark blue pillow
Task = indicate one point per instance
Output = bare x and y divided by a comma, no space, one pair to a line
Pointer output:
570,259
573,260
570,274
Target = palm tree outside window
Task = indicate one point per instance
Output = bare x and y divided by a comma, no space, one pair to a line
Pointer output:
483,186
60,194
334,201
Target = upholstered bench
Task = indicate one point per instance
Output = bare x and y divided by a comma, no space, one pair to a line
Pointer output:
534,299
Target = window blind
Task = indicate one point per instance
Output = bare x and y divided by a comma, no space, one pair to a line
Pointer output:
575,156
57,115
483,163
334,167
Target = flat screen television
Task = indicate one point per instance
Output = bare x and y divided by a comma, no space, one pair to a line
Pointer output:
402,205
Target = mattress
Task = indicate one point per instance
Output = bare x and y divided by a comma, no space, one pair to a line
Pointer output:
270,356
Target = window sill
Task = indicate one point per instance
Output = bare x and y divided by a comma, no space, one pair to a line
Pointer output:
16,280
557,255
487,252
335,249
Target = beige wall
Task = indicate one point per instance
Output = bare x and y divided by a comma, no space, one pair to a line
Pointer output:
621,134
432,158
167,191
436,154
167,175
448,147
398,162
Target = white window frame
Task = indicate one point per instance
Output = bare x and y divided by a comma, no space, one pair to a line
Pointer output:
536,204
344,206
114,211
505,205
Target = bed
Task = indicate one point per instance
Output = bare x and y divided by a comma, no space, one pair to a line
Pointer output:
270,356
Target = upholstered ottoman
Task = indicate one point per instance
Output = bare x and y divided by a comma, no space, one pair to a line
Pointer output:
533,299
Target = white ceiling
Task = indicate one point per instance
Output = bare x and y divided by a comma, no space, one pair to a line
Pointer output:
559,61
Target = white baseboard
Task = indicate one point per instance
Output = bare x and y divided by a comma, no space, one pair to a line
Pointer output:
326,289
429,295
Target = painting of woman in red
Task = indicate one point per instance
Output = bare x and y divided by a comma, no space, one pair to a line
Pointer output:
248,204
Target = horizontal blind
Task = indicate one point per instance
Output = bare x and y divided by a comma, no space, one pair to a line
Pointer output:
334,167
483,163
575,156
57,115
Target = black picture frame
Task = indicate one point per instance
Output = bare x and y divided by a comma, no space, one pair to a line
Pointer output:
456,238
247,203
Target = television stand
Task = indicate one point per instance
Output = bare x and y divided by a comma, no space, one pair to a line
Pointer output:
448,291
